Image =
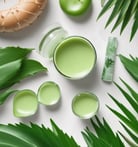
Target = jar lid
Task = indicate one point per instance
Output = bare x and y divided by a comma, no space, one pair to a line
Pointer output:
54,34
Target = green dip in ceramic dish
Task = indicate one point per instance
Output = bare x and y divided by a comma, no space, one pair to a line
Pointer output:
85,105
75,57
25,103
49,93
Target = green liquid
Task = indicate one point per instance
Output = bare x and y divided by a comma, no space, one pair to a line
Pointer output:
25,103
75,57
49,93
85,105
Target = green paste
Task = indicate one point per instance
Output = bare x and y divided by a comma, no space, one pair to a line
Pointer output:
75,57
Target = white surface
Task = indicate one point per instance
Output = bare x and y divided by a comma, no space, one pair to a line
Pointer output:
86,26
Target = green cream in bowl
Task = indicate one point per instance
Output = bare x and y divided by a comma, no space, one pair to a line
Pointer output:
49,93
85,105
75,57
25,103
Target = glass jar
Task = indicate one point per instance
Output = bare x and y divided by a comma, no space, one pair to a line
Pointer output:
74,56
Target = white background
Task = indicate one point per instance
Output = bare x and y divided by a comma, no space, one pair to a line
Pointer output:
87,26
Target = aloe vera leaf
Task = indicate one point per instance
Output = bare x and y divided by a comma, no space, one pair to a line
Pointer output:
131,66
8,140
4,95
10,54
8,71
107,74
29,68
35,136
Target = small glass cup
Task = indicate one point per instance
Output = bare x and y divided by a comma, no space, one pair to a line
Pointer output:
85,105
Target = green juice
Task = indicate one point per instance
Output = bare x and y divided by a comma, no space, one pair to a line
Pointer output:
75,57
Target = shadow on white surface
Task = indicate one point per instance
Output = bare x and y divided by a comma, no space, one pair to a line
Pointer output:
54,107
88,82
34,118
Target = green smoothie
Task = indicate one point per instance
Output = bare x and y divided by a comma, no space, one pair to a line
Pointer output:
25,103
85,105
75,57
49,93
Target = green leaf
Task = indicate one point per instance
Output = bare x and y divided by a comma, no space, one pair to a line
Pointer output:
101,139
8,72
129,119
115,11
12,141
128,98
132,135
107,6
128,114
130,65
9,54
28,68
130,143
128,122
102,2
22,135
122,14
64,138
4,95
135,26
125,10
133,93
131,10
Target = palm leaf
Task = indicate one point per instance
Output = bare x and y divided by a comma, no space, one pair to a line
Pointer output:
121,15
133,93
130,121
104,135
133,136
131,10
21,135
117,7
107,6
125,10
135,25
131,65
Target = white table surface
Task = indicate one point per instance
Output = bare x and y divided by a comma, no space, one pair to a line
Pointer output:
86,26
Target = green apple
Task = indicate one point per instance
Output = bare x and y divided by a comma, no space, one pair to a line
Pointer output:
75,7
